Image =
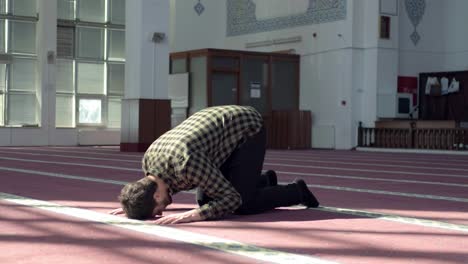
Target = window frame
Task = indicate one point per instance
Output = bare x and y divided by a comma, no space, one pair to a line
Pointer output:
106,26
7,57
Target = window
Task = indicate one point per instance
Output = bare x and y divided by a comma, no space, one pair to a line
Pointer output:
90,111
91,62
92,10
90,43
19,105
26,8
117,12
65,42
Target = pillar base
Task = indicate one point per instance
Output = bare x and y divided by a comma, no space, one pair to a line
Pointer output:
143,121
134,147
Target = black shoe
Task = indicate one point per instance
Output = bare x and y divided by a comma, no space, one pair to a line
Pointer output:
272,179
307,198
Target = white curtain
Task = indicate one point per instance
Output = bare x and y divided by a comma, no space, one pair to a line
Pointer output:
23,37
90,78
65,76
23,75
64,113
114,112
117,45
24,7
91,10
90,43
117,11
116,79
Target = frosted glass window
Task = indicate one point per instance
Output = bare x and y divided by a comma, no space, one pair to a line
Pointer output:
64,113
22,109
23,75
91,10
2,115
90,111
117,11
24,8
114,112
65,74
23,37
2,36
3,73
90,78
90,43
3,7
117,44
66,9
116,79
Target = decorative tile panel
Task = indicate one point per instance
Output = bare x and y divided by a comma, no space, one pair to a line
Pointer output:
415,10
241,18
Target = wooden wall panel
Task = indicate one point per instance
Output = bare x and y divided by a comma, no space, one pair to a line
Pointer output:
289,130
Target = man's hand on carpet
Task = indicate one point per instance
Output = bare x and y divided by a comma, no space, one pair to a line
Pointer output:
117,211
186,217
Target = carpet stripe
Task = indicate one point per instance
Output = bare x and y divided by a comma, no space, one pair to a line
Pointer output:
337,188
286,172
72,164
367,170
370,164
224,245
372,179
395,218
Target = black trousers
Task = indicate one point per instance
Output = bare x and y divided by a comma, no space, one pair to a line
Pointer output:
243,169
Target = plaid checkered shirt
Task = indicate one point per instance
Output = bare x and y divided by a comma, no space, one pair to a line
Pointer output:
190,155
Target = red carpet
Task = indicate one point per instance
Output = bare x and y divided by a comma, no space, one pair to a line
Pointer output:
430,190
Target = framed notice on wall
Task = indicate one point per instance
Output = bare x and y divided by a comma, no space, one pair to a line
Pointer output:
255,90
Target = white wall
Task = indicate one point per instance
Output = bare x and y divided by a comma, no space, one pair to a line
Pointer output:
443,44
189,31
327,60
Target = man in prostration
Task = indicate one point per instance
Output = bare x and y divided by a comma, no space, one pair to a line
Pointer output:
220,151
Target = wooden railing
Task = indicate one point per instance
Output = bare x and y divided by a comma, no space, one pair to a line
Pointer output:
413,138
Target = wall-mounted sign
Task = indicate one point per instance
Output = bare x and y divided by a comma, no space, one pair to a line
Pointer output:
255,90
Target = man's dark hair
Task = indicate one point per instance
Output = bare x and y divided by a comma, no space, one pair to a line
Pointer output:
137,198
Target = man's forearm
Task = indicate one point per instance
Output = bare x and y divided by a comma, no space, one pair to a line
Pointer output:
219,208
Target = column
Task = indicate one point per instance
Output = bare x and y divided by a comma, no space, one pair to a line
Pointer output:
146,110
46,56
